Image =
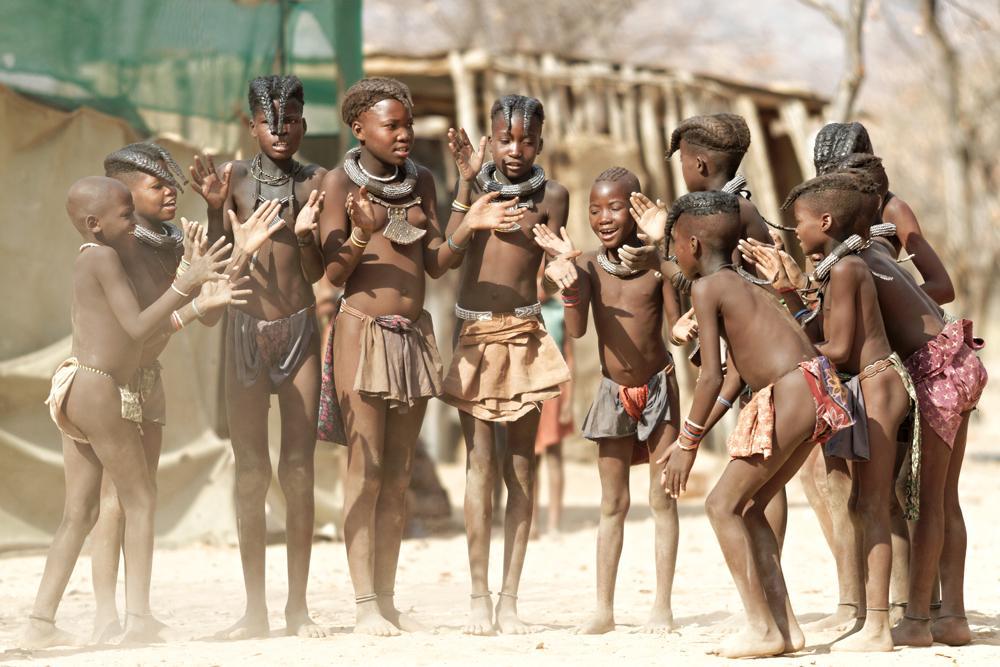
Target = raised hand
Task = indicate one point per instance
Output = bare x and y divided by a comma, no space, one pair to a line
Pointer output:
488,214
686,328
249,236
562,270
468,160
775,265
553,245
207,262
218,293
651,218
189,232
206,182
360,211
308,218
640,258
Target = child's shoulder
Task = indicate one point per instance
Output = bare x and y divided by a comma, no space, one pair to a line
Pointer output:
849,266
337,178
556,190
95,258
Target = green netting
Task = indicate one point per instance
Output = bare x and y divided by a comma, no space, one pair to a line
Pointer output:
140,58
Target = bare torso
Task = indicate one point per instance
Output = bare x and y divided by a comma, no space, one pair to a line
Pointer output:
628,315
869,342
279,286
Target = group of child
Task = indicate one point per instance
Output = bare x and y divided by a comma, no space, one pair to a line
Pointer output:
370,226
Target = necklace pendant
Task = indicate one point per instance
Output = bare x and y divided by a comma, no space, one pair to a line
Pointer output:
398,230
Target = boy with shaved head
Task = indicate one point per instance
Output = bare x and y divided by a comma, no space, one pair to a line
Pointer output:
96,404
797,401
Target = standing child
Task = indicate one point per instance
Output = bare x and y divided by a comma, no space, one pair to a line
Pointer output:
505,363
797,401
379,237
271,346
635,413
828,209
96,403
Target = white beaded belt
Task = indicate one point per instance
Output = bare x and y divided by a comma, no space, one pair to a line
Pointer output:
520,311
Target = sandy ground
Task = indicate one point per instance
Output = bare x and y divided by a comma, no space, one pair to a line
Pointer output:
198,590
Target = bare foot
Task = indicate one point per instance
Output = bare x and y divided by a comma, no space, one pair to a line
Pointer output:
661,621
480,617
912,632
405,622
142,629
598,624
896,612
795,641
507,620
874,635
299,624
753,644
371,622
105,629
951,630
248,627
42,634
842,619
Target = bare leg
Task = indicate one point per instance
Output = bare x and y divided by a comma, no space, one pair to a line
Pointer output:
951,626
83,483
666,531
480,477
247,409
613,465
365,422
927,542
535,508
401,433
555,472
899,586
519,477
106,541
846,548
298,401
886,402
725,505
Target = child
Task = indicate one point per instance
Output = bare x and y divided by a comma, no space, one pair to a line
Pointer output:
152,176
797,401
271,344
828,209
555,422
834,143
635,414
505,363
96,404
949,379
379,238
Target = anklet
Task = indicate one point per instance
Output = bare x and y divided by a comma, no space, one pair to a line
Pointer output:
850,604
886,609
935,605
476,596
951,616
917,618
508,595
898,604
148,614
42,619
361,599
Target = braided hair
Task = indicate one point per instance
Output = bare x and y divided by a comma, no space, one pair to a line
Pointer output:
620,175
721,235
366,93
529,107
861,163
264,90
725,135
837,140
849,196
148,158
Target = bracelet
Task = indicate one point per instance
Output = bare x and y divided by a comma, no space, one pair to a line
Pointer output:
804,311
173,286
459,207
182,268
675,340
454,246
786,290
176,321
728,404
571,299
693,431
197,311
690,447
354,241
307,241
549,283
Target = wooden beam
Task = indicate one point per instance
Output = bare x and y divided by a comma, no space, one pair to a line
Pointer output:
464,83
651,143
795,117
756,164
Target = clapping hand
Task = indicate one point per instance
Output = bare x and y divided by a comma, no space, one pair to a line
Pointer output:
651,218
206,181
467,159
